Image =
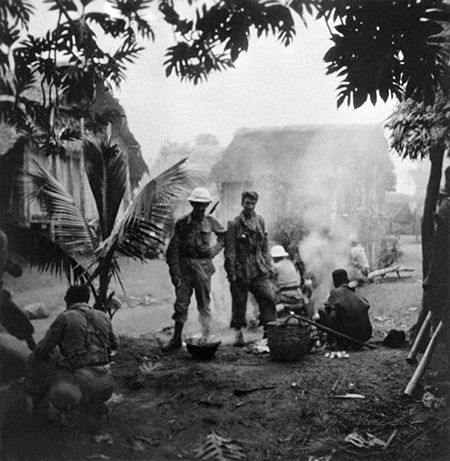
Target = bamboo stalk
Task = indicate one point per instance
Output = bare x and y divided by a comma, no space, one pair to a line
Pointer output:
423,362
334,332
411,358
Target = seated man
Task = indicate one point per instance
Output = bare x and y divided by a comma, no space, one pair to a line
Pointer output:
287,281
346,312
85,339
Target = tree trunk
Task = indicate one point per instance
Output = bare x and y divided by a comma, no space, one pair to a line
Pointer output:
427,227
429,208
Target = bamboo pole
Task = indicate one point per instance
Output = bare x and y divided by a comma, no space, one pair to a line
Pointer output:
423,362
411,358
334,332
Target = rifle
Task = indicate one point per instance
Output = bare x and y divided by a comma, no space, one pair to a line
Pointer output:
213,209
334,332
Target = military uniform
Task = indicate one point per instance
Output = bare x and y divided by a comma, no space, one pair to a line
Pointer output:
248,264
189,256
85,339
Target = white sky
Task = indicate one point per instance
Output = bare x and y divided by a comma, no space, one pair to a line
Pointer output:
270,86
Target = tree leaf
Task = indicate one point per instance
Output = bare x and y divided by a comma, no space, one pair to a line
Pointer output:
106,169
71,230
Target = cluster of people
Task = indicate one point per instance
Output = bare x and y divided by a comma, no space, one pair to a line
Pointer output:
81,371
270,276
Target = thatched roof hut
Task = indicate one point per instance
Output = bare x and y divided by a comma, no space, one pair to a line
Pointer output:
329,168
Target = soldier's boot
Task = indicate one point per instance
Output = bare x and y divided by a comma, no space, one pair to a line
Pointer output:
176,342
239,339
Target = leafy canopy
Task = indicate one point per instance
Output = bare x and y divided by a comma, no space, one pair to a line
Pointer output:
380,48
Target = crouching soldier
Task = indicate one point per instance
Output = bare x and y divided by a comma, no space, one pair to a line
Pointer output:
346,312
189,256
248,265
287,283
85,339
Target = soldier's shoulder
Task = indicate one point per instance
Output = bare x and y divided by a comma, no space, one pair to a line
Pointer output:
213,221
183,219
260,219
234,220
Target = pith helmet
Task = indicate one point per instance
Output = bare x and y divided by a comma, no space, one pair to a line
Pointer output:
278,251
200,195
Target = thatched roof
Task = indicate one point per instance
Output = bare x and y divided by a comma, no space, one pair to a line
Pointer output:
285,149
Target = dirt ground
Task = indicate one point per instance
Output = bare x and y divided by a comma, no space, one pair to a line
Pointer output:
167,413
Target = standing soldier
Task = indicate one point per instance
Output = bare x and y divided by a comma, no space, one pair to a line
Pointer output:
189,256
248,264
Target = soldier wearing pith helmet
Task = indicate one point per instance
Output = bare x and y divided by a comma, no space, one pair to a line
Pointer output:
189,256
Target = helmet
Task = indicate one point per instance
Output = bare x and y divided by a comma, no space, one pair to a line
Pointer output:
200,195
278,252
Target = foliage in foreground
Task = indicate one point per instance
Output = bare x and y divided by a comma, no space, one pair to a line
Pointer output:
85,252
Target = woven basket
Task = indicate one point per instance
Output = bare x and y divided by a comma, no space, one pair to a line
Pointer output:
288,341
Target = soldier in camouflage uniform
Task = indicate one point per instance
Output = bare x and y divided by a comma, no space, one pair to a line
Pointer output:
248,264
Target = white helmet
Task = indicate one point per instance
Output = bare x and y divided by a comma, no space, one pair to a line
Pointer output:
278,252
200,195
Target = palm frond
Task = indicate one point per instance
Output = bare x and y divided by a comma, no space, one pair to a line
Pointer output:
45,255
71,230
148,219
106,168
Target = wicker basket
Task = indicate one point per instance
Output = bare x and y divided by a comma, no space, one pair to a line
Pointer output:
288,341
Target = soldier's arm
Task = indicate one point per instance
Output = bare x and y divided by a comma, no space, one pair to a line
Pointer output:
230,251
113,339
220,232
172,254
265,246
51,339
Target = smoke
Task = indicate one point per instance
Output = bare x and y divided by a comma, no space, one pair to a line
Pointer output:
323,253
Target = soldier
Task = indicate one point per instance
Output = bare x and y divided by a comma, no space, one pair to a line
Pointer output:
189,256
248,264
85,339
346,312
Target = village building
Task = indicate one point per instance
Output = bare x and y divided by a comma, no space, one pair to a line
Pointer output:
404,213
68,169
327,174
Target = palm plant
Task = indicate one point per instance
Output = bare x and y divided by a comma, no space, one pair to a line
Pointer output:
85,252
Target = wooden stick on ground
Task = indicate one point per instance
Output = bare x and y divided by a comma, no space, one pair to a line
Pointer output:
411,358
423,362
334,332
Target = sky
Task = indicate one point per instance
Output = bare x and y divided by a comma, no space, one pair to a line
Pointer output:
271,86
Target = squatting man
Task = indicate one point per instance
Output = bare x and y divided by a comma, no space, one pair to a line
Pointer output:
81,374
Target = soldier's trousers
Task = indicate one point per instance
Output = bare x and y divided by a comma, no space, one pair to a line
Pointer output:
200,283
94,382
261,289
